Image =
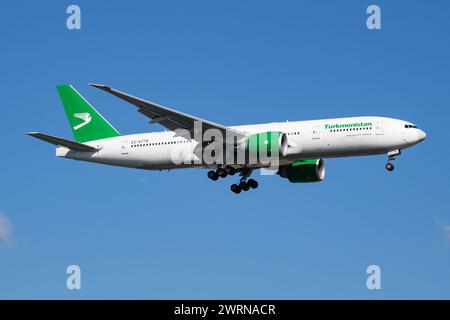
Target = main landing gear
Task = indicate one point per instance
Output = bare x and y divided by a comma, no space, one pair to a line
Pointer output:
243,185
221,172
391,156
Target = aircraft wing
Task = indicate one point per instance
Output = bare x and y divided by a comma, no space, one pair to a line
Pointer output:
170,118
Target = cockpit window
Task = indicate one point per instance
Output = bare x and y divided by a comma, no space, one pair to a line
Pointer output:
408,126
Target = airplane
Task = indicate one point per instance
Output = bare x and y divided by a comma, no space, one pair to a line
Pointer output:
293,150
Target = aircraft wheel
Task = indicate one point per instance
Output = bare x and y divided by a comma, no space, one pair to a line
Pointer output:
213,175
230,170
221,172
235,188
252,183
244,185
389,166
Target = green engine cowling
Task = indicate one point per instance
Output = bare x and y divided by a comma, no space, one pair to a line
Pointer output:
266,144
304,171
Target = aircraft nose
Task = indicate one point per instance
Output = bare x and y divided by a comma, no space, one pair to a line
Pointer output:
421,135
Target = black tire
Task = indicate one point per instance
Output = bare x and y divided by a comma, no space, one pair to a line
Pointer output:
389,166
230,170
213,175
235,188
221,172
244,185
252,183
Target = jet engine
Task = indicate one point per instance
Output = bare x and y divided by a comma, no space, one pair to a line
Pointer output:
304,171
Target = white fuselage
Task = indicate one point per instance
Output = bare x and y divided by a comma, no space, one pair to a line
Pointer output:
327,138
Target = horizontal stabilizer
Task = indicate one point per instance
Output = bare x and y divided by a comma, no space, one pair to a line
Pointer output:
62,142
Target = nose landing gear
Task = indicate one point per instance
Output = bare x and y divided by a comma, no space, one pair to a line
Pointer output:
389,166
391,156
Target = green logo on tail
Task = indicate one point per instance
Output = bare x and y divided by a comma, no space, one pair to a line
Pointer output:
85,116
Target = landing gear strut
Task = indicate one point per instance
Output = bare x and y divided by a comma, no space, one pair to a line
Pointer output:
221,172
391,156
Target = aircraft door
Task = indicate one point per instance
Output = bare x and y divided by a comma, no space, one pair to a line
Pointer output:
379,128
125,147
316,132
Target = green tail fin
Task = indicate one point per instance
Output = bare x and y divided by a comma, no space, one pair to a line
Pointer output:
87,124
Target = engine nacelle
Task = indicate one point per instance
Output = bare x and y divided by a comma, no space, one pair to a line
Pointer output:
266,145
304,171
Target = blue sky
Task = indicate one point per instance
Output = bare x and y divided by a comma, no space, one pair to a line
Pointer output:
138,234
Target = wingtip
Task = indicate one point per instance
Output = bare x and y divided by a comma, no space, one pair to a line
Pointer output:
32,133
100,86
